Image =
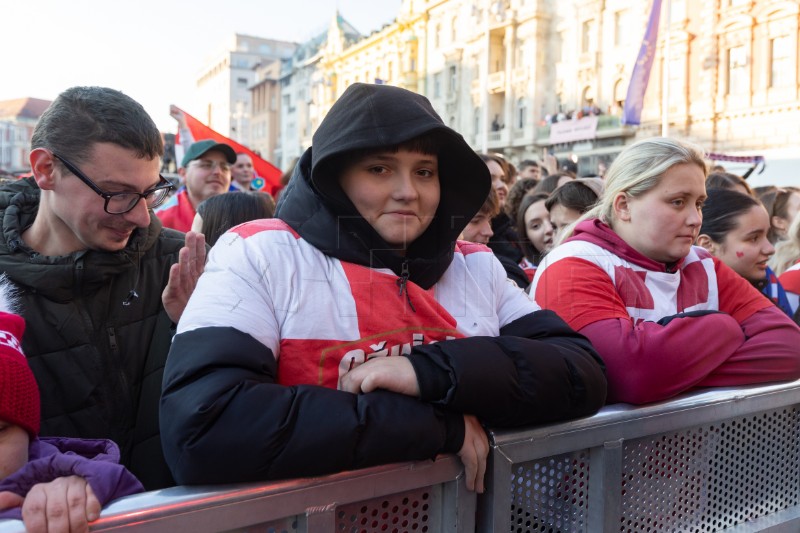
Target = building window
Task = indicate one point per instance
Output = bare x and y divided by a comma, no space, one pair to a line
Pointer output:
586,36
737,70
620,28
476,121
522,113
677,11
676,75
437,85
242,82
453,79
781,71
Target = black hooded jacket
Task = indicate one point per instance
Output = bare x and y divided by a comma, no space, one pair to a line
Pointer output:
97,352
225,418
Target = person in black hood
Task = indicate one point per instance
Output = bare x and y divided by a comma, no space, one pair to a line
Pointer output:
354,329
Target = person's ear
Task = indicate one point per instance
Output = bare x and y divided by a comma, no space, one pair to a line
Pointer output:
705,241
182,172
43,168
779,223
622,209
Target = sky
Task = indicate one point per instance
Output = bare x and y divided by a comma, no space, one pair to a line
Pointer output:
149,49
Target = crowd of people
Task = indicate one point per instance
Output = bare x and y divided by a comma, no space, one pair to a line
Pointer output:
405,294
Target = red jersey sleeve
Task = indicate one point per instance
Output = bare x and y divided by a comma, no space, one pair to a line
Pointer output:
737,297
580,292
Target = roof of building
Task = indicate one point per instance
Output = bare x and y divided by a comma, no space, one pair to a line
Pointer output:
349,35
23,108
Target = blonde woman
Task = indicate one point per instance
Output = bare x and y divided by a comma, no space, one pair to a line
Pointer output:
666,316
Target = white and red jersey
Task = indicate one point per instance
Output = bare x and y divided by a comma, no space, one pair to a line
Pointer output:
528,267
271,281
645,292
664,329
790,280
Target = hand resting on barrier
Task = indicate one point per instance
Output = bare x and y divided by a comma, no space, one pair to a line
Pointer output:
64,504
474,453
396,374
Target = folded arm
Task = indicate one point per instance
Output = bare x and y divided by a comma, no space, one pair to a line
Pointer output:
225,419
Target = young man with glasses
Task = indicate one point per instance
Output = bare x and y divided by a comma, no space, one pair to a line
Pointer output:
90,261
206,170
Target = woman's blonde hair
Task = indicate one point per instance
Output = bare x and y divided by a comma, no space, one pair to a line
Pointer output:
787,252
637,170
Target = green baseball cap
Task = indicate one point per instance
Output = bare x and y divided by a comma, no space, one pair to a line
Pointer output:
199,148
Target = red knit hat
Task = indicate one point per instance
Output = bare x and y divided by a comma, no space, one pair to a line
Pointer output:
19,394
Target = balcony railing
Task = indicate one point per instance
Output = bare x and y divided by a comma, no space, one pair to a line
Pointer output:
497,82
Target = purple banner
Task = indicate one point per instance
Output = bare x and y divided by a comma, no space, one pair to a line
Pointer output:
632,112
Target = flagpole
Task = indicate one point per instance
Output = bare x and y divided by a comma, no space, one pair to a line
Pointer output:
665,75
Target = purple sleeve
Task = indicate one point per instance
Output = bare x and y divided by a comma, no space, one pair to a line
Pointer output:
108,479
650,361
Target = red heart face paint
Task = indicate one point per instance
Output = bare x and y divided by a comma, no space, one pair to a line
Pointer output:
739,254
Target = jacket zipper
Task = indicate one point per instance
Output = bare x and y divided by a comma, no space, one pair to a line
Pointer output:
402,282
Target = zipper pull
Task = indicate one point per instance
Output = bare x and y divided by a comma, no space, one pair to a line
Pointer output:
402,282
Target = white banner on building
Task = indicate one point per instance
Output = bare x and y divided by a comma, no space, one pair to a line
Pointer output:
569,131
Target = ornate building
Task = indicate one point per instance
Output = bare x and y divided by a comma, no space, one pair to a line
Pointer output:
515,76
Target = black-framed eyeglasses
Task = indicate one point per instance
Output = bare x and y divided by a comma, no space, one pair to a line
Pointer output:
118,203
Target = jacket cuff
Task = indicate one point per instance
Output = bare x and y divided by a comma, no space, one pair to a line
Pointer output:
454,426
433,379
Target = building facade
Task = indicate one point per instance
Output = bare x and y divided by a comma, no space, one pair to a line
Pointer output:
223,97
525,77
17,120
265,109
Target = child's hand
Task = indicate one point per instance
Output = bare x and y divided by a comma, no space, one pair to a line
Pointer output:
65,504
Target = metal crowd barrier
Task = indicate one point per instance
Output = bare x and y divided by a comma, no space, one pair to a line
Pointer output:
718,460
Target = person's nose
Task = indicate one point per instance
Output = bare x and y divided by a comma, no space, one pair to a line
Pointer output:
695,218
767,249
139,215
486,229
405,186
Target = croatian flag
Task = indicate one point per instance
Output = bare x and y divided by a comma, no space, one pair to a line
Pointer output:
267,174
632,111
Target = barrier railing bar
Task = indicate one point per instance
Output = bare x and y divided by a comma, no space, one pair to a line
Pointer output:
318,519
628,422
460,504
605,487
786,521
259,503
494,508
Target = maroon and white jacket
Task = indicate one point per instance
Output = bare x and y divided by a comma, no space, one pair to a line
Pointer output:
662,330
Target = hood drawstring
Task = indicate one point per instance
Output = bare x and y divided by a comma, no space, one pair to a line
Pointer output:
402,281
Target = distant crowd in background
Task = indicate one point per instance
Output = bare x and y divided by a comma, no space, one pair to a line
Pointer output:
401,294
